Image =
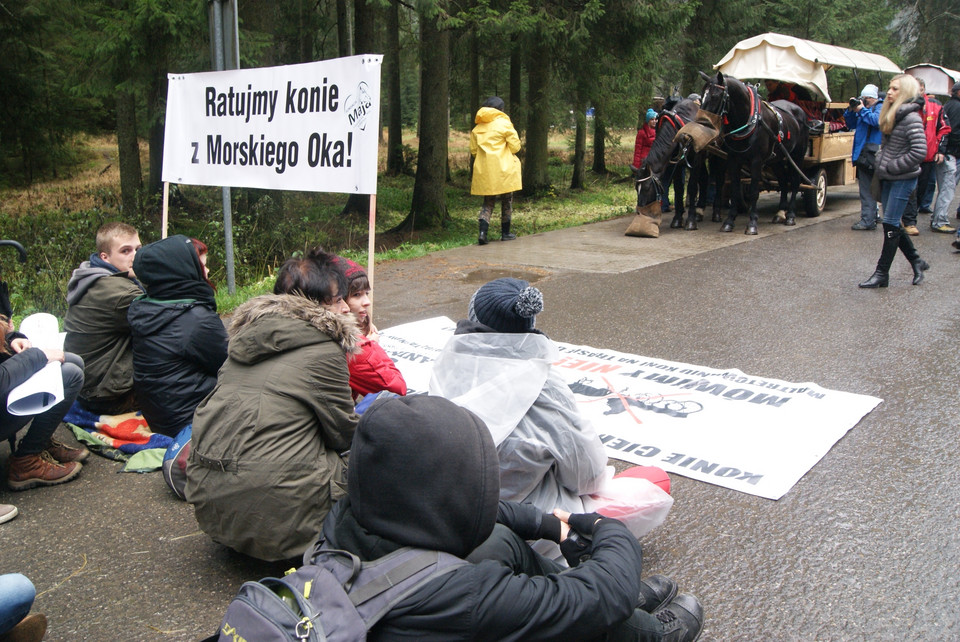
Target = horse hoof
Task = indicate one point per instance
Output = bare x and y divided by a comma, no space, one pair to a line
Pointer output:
790,221
751,230
727,227
691,225
716,218
676,224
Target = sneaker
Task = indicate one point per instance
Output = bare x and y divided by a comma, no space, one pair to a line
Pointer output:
30,629
655,591
682,619
944,229
911,230
860,225
64,454
39,470
7,512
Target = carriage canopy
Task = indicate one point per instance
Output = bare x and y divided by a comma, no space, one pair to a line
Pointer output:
803,62
938,80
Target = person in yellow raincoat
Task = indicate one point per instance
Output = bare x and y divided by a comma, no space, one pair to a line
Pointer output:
496,169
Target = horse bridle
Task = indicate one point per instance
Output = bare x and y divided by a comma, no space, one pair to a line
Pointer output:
753,120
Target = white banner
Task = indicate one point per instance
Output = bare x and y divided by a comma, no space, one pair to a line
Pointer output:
310,127
753,434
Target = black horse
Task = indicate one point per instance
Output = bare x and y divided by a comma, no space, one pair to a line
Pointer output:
663,163
755,134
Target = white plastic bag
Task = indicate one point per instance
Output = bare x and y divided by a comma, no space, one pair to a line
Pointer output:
637,502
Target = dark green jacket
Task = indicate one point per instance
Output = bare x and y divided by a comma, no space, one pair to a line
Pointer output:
265,463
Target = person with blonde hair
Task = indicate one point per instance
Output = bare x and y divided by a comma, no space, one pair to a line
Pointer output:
898,166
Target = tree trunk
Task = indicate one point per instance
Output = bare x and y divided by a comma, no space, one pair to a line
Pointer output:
391,62
429,206
580,148
599,144
365,41
535,177
517,114
344,32
128,154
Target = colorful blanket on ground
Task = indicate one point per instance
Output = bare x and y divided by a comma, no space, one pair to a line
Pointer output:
124,438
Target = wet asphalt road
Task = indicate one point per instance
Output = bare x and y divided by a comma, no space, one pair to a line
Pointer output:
864,547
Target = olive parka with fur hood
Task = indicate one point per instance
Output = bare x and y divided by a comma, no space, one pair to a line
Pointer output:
494,143
265,463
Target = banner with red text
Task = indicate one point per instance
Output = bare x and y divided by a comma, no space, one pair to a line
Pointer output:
754,434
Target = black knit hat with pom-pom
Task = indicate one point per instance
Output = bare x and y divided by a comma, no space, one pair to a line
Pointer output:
506,305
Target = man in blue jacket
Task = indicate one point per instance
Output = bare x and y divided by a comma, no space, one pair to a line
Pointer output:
424,473
863,117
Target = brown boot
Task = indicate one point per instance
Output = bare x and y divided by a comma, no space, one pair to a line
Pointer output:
30,629
64,454
40,470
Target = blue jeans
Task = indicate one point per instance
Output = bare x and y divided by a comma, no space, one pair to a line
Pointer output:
16,598
947,185
894,196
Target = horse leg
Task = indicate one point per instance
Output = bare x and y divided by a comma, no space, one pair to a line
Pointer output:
783,182
692,194
753,196
716,178
736,196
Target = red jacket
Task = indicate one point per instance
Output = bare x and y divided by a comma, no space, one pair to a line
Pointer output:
645,137
372,370
934,126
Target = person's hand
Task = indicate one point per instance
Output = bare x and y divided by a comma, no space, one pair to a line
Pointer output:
53,355
19,345
855,104
576,543
563,516
373,334
938,159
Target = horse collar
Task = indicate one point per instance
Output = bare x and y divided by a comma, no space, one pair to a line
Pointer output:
747,129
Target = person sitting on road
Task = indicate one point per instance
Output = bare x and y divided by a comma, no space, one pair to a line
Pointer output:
267,458
423,473
179,342
38,460
17,624
99,295
371,369
499,366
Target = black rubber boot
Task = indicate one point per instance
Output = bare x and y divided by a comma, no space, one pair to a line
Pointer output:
891,240
910,252
656,591
483,232
682,619
505,234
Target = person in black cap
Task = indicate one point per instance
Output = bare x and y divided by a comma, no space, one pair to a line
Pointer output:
423,473
498,365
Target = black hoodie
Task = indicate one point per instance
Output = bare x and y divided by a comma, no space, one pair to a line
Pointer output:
424,472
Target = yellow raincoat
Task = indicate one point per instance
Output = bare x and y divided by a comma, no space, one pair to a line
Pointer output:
494,143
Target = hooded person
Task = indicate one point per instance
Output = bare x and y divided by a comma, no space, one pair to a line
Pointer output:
268,450
644,142
371,369
494,144
498,365
424,473
179,342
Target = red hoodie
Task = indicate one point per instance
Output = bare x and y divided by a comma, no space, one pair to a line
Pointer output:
935,126
645,138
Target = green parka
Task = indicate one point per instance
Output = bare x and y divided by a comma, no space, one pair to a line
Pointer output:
494,142
265,464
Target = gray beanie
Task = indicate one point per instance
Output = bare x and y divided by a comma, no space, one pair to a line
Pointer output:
506,305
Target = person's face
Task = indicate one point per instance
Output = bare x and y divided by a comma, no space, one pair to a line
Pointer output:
336,303
869,102
203,262
894,90
770,84
122,252
359,303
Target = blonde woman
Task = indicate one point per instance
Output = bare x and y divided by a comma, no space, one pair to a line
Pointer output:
898,166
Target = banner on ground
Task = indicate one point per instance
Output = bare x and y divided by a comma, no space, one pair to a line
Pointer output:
753,434
310,127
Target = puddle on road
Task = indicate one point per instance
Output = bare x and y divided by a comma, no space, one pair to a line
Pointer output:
489,274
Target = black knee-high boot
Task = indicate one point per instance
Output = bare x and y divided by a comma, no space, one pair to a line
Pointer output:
891,240
910,252
482,240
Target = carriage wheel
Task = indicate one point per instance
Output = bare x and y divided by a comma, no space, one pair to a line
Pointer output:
815,199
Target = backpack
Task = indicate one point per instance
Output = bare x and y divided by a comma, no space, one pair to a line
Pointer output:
334,596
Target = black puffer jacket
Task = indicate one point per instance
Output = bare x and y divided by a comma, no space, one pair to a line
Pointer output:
905,147
179,341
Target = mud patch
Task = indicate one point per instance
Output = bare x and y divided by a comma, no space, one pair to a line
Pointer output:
484,275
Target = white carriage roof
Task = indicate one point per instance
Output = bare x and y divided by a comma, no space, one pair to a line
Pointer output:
804,62
938,80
